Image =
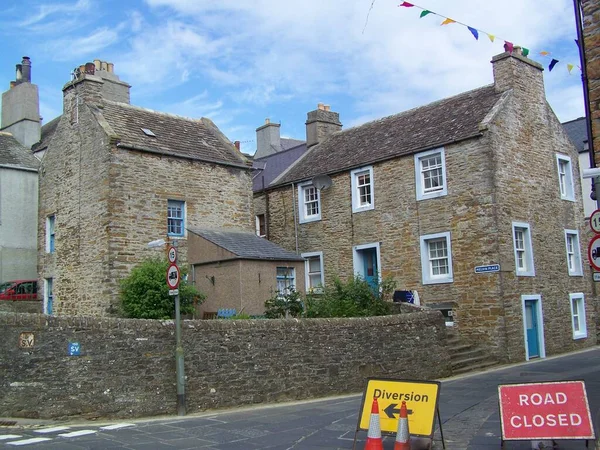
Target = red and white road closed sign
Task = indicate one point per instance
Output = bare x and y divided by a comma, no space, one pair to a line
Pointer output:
556,410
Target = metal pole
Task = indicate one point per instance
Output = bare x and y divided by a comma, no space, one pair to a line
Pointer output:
179,368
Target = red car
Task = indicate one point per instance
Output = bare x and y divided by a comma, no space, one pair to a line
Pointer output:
19,290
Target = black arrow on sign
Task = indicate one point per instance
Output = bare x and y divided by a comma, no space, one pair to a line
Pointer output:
391,410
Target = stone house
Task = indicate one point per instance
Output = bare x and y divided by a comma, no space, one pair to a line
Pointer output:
577,131
114,177
20,129
474,201
239,270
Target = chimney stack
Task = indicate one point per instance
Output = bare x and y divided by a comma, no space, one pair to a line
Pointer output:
268,139
320,123
524,76
21,107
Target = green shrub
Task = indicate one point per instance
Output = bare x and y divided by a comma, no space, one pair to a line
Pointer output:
354,298
284,305
145,294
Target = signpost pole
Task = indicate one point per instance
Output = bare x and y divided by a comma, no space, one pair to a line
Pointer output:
179,368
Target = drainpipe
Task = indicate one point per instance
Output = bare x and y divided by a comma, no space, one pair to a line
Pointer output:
295,221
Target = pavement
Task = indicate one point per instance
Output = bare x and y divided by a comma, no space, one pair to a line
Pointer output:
468,407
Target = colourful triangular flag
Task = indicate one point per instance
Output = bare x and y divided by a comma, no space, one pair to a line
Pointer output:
544,53
552,64
474,32
525,51
424,13
406,4
447,21
491,36
508,46
570,67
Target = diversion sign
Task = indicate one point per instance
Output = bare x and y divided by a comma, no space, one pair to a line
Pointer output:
553,410
421,399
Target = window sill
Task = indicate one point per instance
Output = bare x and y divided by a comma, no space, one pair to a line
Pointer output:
438,280
579,336
362,208
569,199
423,196
310,219
575,274
525,274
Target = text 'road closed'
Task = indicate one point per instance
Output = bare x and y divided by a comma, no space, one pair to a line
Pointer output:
557,410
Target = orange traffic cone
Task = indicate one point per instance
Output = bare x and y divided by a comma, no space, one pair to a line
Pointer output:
374,441
402,435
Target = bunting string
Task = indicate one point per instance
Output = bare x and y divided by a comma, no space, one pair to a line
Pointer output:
508,45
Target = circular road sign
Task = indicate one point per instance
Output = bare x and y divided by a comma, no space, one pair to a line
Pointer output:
595,221
594,252
172,253
173,276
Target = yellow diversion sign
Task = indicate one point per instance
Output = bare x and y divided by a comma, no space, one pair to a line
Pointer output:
421,399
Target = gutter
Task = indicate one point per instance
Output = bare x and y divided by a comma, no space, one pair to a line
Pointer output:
189,158
25,169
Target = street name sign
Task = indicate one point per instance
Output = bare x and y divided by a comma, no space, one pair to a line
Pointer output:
488,268
544,411
421,399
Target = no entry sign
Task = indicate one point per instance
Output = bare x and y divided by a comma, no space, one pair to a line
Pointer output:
557,410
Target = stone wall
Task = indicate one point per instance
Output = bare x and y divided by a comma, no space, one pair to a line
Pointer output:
591,36
126,368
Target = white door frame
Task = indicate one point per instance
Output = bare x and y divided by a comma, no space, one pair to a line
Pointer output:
540,324
357,261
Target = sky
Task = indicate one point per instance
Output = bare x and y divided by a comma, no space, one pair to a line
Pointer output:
239,62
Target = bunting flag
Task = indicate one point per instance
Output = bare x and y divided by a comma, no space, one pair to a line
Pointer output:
508,46
474,32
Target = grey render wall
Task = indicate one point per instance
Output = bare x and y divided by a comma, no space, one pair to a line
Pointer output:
126,367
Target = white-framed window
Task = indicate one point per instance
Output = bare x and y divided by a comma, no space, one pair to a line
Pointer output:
50,233
565,177
430,174
578,315
286,279
523,249
48,295
362,189
176,218
573,253
436,258
314,271
309,202
261,225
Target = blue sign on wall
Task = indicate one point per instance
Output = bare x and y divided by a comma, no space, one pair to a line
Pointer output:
487,269
74,349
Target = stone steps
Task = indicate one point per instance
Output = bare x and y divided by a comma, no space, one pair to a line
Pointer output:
465,356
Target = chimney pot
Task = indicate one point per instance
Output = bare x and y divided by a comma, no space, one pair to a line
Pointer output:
267,121
237,145
19,75
327,108
26,67
90,68
320,106
98,64
111,67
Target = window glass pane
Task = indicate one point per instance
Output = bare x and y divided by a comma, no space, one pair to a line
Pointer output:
311,201
175,217
314,264
431,169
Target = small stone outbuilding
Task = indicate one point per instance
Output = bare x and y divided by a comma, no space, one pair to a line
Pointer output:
239,270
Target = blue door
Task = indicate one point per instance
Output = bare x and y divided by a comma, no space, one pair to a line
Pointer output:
531,327
370,266
49,295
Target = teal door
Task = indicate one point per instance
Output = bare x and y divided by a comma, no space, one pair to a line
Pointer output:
49,295
532,327
370,266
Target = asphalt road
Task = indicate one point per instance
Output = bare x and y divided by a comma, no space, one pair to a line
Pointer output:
468,407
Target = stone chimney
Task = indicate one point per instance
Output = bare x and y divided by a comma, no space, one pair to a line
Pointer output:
92,82
514,71
268,139
21,107
320,123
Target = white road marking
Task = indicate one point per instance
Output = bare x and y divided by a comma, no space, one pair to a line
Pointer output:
51,430
116,426
9,436
28,441
77,433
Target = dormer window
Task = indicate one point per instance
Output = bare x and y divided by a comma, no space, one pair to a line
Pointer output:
148,132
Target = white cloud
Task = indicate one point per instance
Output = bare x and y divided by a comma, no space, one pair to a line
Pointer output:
68,48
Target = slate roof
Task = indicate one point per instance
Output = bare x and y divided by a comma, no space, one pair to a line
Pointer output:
247,245
271,166
13,153
287,143
47,132
174,135
577,131
433,125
